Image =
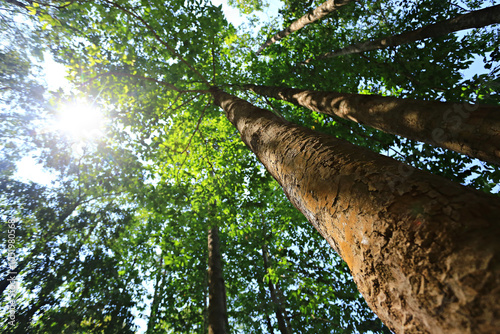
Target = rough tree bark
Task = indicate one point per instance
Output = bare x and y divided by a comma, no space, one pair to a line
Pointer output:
424,252
278,310
469,129
475,19
217,308
317,14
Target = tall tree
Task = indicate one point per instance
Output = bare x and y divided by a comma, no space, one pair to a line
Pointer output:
381,232
217,306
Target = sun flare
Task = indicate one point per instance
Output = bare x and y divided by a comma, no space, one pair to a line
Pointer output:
81,121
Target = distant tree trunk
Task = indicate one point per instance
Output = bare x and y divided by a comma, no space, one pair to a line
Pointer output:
476,19
469,129
423,250
156,298
269,325
217,309
317,14
278,309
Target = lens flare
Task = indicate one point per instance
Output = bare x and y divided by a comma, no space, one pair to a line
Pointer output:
81,121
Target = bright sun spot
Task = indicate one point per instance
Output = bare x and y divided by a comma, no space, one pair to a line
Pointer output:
80,121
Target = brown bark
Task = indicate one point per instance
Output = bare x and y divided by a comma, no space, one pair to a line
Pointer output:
278,310
217,309
475,19
469,129
317,14
424,252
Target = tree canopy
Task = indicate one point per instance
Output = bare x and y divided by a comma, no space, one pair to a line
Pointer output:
118,242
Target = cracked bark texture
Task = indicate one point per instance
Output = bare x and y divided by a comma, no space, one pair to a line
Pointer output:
217,307
475,19
317,14
424,252
470,129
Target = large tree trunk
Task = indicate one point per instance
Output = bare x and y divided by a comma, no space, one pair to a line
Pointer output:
476,19
278,310
317,14
217,309
469,129
424,253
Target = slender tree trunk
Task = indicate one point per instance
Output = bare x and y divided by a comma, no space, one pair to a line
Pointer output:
156,299
469,129
423,251
476,19
279,311
217,309
317,14
269,325
205,305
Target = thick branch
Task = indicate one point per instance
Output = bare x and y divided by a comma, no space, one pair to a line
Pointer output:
470,129
476,19
317,14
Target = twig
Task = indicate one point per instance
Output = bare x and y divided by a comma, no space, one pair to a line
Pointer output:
166,84
196,128
184,103
189,143
273,108
213,61
206,144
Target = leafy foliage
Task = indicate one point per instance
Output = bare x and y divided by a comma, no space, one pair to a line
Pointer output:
121,235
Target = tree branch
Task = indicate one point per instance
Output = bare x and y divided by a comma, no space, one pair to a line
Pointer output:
157,37
163,83
476,19
317,14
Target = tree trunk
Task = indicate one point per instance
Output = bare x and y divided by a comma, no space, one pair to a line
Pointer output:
475,19
423,251
217,309
274,298
156,298
317,14
469,129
